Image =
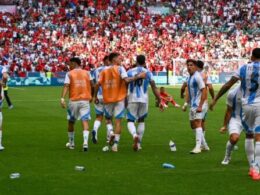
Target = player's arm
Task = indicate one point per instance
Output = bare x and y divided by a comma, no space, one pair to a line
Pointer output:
223,90
155,90
202,99
211,90
227,118
63,95
183,88
141,75
92,85
96,87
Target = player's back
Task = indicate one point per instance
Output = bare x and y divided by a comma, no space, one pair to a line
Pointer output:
80,87
138,90
234,100
96,78
250,82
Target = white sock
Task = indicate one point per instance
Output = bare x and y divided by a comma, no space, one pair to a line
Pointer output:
198,137
71,136
131,128
203,139
229,149
257,153
250,149
109,130
1,132
97,124
117,138
85,136
140,130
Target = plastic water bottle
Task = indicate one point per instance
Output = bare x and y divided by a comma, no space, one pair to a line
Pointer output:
172,146
14,175
168,166
79,168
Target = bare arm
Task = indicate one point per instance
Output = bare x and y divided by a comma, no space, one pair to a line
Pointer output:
226,119
202,99
223,90
141,75
96,87
155,91
183,87
63,95
211,90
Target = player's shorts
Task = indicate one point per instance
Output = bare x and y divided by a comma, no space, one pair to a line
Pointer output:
78,110
235,126
115,109
100,108
251,118
137,111
194,115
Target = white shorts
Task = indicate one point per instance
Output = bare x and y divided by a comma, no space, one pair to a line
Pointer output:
78,110
194,115
251,118
115,109
235,126
100,108
136,111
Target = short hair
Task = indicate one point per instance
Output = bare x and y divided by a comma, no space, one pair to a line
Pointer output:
76,60
200,64
140,59
256,53
105,58
112,56
192,61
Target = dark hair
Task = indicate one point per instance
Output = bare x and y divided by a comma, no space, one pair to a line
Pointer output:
105,58
192,61
112,56
76,60
200,64
256,53
140,59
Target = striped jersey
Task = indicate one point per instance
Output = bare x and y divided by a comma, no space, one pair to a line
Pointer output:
250,80
195,85
138,90
96,77
234,101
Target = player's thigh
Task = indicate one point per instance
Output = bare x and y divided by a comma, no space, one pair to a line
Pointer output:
72,111
248,118
257,119
132,111
235,126
109,110
119,110
99,109
142,111
84,110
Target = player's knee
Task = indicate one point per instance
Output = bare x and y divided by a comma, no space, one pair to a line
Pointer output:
234,138
141,120
129,120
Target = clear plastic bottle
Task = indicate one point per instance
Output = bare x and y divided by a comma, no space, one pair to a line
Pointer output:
172,146
14,175
79,168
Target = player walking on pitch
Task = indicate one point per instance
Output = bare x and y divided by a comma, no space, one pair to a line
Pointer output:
113,81
138,94
250,80
198,106
78,83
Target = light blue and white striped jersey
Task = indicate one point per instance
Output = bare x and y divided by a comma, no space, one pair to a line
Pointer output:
96,78
138,90
234,100
195,84
2,71
250,81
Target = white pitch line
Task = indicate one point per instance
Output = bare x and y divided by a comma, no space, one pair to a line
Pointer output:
22,89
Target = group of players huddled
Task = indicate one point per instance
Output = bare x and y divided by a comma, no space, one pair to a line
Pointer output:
113,89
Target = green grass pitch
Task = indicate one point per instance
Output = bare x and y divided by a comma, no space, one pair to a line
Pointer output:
35,134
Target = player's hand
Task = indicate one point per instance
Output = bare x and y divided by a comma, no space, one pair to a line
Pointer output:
223,129
96,101
199,109
184,107
63,103
161,107
141,75
212,104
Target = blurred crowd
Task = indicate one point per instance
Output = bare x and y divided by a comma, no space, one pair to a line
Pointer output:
44,34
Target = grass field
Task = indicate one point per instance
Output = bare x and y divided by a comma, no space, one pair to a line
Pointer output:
35,137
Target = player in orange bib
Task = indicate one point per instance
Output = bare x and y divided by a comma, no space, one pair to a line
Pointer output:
78,83
113,82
